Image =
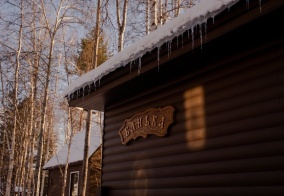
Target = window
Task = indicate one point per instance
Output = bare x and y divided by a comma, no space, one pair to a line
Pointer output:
74,183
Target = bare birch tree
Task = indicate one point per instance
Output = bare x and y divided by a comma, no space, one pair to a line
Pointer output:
74,116
15,102
97,35
70,134
160,13
121,22
30,60
52,25
83,180
3,134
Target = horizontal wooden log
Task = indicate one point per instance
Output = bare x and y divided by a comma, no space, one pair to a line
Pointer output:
267,178
190,140
221,191
183,148
250,91
212,168
228,106
219,78
274,148
254,123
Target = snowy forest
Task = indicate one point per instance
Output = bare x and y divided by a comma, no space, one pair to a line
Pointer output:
44,46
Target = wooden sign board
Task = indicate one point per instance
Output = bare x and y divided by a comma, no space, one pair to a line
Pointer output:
152,121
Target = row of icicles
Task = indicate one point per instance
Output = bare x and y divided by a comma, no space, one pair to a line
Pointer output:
191,31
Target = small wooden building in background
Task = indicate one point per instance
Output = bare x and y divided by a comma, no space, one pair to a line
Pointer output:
225,87
57,163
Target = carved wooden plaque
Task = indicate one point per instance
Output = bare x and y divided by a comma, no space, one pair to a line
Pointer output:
152,121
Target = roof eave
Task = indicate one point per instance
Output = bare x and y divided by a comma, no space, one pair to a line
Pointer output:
96,97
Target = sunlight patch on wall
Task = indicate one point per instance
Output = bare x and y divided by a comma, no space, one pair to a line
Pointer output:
194,114
141,180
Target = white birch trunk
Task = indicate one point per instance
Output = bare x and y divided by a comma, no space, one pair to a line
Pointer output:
15,104
33,92
83,184
52,33
147,17
97,35
70,130
153,15
165,12
34,75
177,7
38,170
22,157
121,24
160,13
5,130
34,69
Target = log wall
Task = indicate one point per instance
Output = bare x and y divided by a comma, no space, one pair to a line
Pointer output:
228,132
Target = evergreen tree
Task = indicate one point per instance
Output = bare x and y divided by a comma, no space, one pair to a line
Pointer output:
84,61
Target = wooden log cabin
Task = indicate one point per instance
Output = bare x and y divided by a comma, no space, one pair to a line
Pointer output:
200,113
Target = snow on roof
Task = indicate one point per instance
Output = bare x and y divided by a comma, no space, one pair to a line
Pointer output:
76,149
194,16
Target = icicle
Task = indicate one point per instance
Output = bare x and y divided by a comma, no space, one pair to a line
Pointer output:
200,32
139,65
188,33
158,57
213,19
205,27
205,30
130,66
99,82
94,85
182,40
177,41
169,48
247,3
260,5
192,36
89,86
